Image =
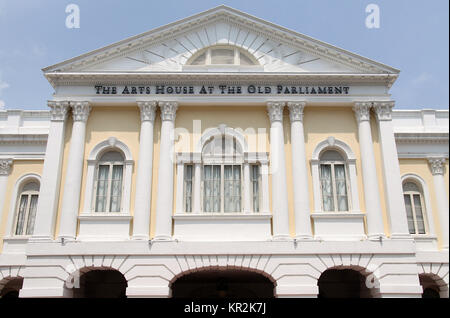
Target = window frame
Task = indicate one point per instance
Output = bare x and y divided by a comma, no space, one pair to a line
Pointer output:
349,159
208,57
411,194
90,190
29,194
222,187
333,163
111,165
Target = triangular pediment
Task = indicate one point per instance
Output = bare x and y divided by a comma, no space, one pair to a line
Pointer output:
169,48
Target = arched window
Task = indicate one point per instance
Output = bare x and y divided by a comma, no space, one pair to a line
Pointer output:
26,208
222,175
108,183
222,55
333,181
414,203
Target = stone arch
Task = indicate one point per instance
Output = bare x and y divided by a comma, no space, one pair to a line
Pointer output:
335,144
112,143
75,284
437,273
219,131
10,284
251,281
369,283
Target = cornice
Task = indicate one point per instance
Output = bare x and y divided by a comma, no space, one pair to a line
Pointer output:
23,139
423,138
230,78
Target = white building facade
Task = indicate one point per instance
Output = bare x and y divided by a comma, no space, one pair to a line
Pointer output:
222,155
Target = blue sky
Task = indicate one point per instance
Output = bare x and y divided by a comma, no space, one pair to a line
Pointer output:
413,37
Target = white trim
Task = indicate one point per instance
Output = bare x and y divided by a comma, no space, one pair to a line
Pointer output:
219,216
9,232
110,144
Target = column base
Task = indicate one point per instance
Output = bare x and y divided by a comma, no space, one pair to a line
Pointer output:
163,238
140,237
282,237
304,237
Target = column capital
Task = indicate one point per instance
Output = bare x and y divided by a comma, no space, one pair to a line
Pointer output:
362,111
5,166
58,110
275,111
296,110
80,111
383,110
437,165
148,109
168,110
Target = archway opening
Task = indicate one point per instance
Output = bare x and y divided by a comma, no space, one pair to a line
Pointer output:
223,284
12,288
101,284
430,288
343,283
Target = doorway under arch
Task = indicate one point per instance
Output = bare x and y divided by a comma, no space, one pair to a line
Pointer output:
343,283
431,288
227,283
101,283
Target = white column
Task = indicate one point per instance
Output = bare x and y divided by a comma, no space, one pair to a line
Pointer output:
369,172
197,195
164,201
437,165
72,185
391,171
278,170
299,172
247,193
44,225
5,169
142,205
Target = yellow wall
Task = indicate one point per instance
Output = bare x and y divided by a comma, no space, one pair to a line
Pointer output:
19,169
319,123
421,168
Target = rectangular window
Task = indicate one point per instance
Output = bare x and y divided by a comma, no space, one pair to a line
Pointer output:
32,214
419,214
409,214
102,188
255,178
188,188
327,187
211,188
116,188
341,187
22,212
232,188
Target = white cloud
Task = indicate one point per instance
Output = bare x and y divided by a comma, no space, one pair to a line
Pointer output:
3,85
422,78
